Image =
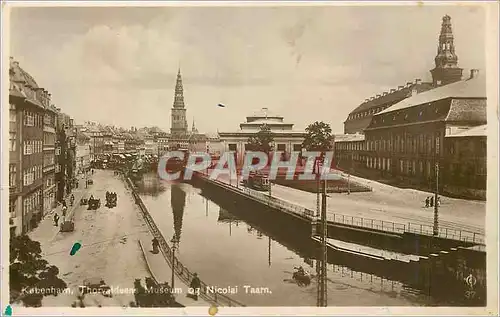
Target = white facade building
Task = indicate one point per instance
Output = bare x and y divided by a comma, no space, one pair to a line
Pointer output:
285,138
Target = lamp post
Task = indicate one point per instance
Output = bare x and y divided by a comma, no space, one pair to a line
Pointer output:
435,229
174,242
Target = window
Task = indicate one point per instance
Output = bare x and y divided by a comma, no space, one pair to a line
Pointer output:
29,119
12,141
47,119
12,175
12,116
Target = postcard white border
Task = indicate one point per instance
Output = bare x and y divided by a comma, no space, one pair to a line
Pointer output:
491,8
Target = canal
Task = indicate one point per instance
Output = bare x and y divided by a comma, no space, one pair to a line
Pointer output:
237,250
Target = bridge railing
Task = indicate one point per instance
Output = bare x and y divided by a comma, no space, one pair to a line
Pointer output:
368,223
447,233
180,270
382,225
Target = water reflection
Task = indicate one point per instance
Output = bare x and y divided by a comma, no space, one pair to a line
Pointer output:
225,243
150,185
178,203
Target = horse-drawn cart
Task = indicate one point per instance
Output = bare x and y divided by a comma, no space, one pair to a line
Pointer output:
94,204
67,226
84,201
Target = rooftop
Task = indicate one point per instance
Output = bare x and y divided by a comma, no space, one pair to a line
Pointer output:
469,88
349,137
264,113
475,131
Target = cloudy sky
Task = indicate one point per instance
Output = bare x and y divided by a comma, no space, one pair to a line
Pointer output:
118,65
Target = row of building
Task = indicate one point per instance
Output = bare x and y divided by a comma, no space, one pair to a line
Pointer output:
423,134
41,151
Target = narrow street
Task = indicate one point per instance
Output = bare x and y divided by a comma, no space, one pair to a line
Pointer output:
109,245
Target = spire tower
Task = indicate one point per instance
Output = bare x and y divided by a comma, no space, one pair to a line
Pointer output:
446,69
179,123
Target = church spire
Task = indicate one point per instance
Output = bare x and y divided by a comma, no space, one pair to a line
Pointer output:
178,112
179,91
193,128
446,61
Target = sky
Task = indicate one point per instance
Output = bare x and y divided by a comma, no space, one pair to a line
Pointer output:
118,66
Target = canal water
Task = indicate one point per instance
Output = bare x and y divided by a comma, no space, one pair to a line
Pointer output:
253,264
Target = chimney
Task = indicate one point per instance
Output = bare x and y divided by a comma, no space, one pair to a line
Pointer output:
418,81
474,73
393,90
414,91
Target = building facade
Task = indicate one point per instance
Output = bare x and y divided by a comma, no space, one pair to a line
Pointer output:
446,71
349,151
83,153
466,162
26,115
285,138
49,158
65,155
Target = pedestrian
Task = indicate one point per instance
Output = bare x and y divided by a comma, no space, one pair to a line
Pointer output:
195,286
64,208
56,220
438,201
155,245
432,201
427,202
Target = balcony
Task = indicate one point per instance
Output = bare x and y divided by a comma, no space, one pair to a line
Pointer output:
13,189
48,168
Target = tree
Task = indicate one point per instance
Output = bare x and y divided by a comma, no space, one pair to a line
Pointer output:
28,271
262,141
319,137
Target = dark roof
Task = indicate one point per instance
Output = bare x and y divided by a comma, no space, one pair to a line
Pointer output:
392,97
467,110
470,88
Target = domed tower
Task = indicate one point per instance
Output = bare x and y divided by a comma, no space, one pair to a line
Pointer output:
446,61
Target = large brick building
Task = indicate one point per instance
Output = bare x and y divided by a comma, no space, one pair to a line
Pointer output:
408,140
446,71
415,140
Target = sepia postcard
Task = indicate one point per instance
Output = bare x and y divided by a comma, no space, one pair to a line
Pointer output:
249,158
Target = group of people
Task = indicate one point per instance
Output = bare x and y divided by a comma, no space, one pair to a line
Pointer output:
64,210
429,201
